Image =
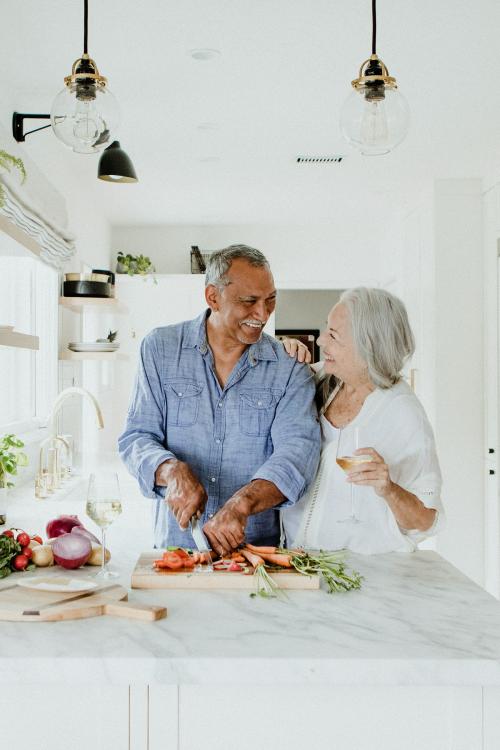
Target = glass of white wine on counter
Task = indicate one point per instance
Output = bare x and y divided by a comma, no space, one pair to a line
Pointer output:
103,506
348,443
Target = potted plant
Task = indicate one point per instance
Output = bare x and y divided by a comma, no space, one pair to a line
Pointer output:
7,161
11,457
135,264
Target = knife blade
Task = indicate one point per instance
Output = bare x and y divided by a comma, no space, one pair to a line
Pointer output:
201,543
199,537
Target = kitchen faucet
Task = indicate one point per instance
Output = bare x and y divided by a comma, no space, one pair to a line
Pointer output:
48,478
63,396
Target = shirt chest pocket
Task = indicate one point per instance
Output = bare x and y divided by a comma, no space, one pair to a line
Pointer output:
183,402
257,409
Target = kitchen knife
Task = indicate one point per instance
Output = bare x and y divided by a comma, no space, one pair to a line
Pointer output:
201,543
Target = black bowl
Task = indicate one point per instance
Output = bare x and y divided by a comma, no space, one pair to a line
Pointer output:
86,289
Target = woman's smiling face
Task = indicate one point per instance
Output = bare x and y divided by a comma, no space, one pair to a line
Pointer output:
339,353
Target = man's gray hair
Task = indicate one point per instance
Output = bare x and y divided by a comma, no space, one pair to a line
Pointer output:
381,332
219,262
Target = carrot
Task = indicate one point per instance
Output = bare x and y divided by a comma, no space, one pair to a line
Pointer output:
261,550
256,560
237,557
277,559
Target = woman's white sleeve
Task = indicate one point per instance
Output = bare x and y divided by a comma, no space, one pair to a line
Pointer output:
418,472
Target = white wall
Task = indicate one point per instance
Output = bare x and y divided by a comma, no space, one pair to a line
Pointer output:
296,253
443,289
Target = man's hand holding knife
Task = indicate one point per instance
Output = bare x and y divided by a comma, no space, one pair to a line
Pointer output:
187,497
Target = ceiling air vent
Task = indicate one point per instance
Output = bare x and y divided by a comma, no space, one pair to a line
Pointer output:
335,159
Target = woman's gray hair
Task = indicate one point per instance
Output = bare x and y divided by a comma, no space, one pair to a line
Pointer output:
381,332
219,262
382,337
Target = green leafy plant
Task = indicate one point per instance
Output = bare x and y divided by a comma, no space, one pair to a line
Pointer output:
11,457
8,162
9,548
135,264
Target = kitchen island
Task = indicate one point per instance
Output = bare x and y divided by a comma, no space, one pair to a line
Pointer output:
411,660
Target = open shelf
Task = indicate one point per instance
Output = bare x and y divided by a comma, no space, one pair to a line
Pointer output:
106,304
101,356
19,340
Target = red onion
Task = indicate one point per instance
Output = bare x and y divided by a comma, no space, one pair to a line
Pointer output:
71,550
83,532
62,525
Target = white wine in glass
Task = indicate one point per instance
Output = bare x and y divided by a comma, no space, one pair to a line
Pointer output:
103,506
347,461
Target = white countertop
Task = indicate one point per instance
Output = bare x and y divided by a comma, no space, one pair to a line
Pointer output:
416,621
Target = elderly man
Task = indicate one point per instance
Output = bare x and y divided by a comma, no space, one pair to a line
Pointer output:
222,422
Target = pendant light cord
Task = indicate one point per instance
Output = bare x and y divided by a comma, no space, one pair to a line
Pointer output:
85,25
374,26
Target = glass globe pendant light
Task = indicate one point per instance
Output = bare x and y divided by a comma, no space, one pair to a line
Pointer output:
85,113
375,117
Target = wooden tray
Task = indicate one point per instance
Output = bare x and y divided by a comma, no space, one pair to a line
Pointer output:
28,605
145,576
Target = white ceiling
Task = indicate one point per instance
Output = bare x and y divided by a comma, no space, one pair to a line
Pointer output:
274,92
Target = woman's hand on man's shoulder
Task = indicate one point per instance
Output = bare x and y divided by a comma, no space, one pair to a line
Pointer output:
297,349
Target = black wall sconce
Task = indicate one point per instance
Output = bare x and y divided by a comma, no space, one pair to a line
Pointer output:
114,164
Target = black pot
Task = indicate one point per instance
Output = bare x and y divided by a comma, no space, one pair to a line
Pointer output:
87,289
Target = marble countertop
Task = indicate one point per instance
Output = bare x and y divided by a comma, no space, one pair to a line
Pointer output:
416,621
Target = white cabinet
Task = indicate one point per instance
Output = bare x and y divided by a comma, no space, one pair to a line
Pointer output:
53,717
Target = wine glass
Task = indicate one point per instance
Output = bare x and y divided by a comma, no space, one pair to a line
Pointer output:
103,506
347,444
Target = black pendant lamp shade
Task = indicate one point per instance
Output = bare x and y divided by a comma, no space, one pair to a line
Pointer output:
115,165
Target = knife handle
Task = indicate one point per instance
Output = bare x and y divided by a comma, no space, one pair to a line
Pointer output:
134,611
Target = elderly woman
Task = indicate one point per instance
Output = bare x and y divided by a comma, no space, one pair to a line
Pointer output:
368,411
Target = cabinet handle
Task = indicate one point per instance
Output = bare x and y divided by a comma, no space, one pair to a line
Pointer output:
491,450
492,471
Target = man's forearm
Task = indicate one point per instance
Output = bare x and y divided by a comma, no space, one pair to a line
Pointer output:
255,497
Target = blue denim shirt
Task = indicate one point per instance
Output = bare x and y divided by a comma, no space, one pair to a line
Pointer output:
262,425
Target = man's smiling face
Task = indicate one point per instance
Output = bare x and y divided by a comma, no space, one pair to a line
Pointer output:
243,306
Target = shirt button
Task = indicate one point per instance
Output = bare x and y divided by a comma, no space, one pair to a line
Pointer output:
259,403
180,394
219,405
210,515
212,479
217,441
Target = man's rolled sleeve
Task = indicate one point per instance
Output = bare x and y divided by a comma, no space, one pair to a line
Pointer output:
142,446
296,438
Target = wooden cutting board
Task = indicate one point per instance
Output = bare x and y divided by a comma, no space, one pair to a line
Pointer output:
145,576
30,605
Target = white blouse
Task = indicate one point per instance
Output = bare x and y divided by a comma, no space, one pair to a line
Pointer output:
394,423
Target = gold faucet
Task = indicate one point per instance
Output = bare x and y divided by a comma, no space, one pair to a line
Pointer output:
51,472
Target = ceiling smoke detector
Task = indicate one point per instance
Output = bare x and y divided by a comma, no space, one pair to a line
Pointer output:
335,159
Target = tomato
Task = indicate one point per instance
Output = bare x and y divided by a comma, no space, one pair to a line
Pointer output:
37,538
23,539
20,562
27,551
180,552
8,533
172,560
